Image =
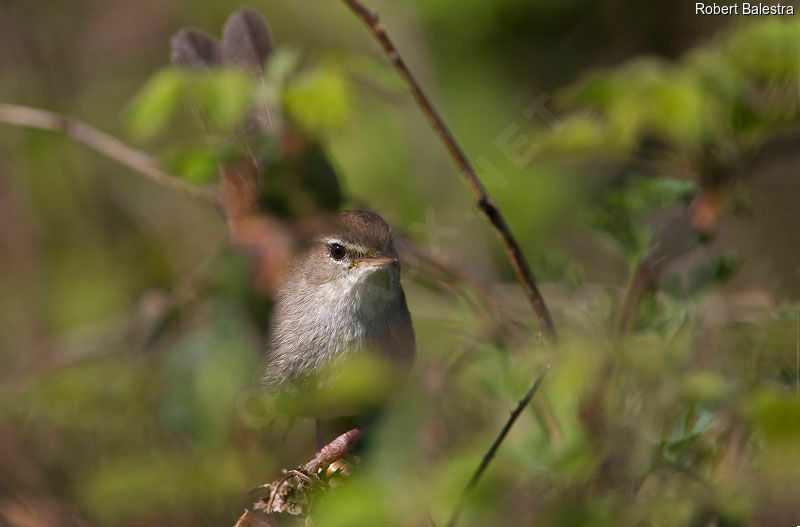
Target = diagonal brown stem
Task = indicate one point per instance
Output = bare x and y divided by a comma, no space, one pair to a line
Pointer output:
101,142
487,458
641,284
485,202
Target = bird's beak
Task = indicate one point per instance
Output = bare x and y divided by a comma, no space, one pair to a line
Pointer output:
374,261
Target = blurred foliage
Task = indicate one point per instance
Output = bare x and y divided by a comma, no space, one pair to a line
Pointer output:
319,100
132,344
736,91
622,216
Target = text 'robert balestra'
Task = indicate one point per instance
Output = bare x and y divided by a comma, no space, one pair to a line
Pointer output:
743,9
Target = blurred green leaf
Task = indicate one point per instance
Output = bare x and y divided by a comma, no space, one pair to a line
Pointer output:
282,65
706,387
120,490
320,99
151,110
221,97
768,49
224,97
197,164
778,415
622,216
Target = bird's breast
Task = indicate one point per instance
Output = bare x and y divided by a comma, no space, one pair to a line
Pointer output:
319,329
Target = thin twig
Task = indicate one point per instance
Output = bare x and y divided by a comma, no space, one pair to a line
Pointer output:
487,458
642,283
485,202
455,272
101,142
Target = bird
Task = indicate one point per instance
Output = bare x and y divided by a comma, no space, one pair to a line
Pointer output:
341,338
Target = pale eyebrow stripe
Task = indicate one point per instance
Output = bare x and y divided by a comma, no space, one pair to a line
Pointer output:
327,240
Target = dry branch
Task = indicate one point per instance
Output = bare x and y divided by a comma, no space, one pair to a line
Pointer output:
101,142
249,519
485,202
294,492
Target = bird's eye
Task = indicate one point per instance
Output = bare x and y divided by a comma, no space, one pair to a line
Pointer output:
337,251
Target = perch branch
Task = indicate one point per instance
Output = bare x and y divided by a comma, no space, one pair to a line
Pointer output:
334,450
101,142
293,492
487,458
485,202
249,519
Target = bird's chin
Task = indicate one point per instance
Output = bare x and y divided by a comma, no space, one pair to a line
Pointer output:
370,272
375,283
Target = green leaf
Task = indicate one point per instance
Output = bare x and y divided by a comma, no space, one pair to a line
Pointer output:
767,50
319,100
224,97
196,164
282,65
155,103
676,107
622,215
